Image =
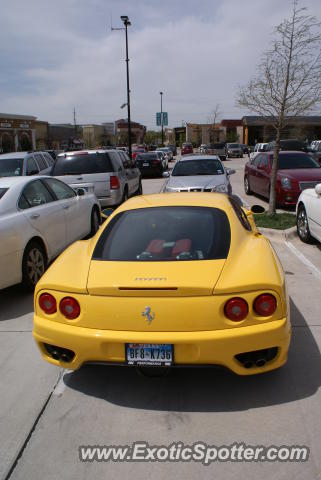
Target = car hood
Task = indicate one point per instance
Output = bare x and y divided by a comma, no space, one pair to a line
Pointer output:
197,181
301,174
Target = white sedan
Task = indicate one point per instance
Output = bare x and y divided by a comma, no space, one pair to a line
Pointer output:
39,218
308,214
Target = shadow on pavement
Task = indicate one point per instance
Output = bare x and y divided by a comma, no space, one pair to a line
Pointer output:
208,389
15,302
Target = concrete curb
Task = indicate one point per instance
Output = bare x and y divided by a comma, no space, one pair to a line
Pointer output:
279,235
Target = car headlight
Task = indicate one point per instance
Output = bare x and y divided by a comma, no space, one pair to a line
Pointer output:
286,183
220,188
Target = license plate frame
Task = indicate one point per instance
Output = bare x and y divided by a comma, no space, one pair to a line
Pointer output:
153,354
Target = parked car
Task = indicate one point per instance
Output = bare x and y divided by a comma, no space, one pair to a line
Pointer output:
234,150
135,152
245,149
173,148
113,174
25,163
151,163
218,149
288,145
39,218
199,174
187,148
203,148
163,158
259,147
296,172
166,282
167,151
308,214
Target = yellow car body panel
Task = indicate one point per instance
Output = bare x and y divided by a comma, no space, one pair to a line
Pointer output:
186,298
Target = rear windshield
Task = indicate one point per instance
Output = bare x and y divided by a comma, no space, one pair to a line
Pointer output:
147,156
165,234
293,160
198,167
82,164
11,167
3,191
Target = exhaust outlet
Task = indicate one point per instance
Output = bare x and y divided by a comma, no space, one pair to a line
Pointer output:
260,362
55,355
65,357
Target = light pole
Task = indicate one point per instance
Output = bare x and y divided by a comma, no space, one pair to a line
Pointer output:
162,123
126,22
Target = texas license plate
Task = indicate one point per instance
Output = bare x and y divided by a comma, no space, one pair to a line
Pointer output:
145,164
149,354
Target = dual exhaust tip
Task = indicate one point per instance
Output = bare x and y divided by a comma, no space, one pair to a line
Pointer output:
59,353
257,358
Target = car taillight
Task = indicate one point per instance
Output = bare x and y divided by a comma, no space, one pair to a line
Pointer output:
236,309
265,305
48,303
69,307
155,162
114,182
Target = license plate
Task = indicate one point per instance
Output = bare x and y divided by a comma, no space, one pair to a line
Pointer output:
149,354
145,164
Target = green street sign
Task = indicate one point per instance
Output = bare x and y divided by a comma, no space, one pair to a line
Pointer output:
165,118
158,119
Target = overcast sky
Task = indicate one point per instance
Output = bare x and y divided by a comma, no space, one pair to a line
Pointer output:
61,54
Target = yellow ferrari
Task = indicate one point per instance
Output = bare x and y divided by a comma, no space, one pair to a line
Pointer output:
169,280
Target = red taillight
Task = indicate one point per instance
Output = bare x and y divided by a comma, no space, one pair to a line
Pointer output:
69,307
236,309
265,305
114,182
156,162
48,303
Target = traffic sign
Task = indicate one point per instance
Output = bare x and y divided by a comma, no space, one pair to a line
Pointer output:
159,122
165,118
158,119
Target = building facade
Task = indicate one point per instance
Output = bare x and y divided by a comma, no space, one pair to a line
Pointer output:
207,133
137,132
17,133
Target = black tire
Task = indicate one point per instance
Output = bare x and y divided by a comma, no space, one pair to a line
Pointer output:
95,222
34,264
140,188
247,188
125,195
302,225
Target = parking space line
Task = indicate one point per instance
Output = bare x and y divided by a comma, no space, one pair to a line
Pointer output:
303,259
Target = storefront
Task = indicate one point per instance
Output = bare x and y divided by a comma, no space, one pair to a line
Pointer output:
17,133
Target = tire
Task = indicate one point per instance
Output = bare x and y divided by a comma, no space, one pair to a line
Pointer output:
140,189
34,264
302,225
247,188
95,222
125,195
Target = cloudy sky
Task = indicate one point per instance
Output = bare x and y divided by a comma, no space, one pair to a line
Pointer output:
57,55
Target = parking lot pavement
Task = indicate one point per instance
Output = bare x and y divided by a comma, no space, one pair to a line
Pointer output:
99,405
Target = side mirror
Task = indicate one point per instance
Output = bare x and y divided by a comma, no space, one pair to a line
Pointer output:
166,174
257,209
230,171
81,192
317,189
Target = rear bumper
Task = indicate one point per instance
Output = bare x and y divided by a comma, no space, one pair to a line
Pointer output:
217,347
114,199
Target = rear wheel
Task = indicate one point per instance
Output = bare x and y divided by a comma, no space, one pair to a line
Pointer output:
34,264
247,188
140,188
125,195
302,225
95,222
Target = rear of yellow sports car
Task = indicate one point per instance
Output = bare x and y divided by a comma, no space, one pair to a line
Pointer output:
172,280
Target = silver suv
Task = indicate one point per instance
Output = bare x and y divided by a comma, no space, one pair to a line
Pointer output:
18,164
234,150
110,173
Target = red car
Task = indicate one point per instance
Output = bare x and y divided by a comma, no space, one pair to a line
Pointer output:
136,151
186,149
296,172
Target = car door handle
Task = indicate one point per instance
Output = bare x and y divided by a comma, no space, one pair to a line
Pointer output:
65,207
34,216
79,178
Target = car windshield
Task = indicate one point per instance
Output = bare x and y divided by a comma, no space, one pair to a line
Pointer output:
198,167
11,167
165,234
233,145
82,164
218,145
3,191
294,161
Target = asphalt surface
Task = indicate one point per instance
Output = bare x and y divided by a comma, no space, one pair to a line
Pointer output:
47,413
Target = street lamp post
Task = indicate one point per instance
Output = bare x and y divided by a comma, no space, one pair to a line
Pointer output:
127,23
162,123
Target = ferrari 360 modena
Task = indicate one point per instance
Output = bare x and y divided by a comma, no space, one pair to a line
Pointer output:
181,279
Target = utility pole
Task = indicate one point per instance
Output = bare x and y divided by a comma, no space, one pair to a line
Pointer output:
161,94
127,23
75,124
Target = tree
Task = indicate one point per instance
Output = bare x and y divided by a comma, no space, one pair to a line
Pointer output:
212,119
287,83
152,137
